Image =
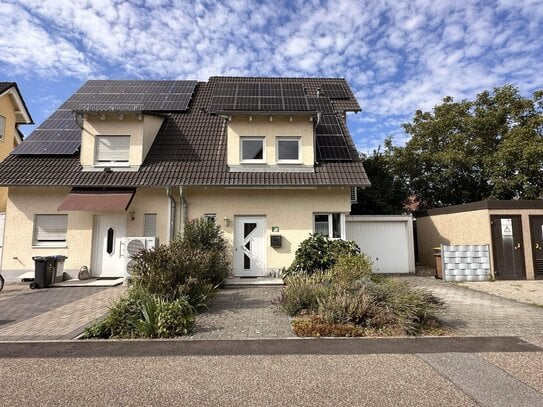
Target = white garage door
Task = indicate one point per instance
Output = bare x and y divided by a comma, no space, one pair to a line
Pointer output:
388,242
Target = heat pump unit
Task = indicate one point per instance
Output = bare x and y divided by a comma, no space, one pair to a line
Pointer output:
133,245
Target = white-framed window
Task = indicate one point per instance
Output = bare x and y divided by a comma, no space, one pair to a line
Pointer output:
2,127
252,150
331,225
149,224
50,230
112,151
354,195
289,150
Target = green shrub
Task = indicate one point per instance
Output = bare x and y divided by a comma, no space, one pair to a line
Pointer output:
302,292
319,253
204,234
349,298
139,314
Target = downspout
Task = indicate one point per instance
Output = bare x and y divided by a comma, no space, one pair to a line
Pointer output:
171,214
184,209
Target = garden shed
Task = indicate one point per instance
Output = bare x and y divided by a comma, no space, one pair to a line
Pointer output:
512,229
387,240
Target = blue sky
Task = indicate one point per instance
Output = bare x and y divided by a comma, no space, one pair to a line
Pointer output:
398,56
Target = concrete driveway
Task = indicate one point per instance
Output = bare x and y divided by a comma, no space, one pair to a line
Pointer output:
51,313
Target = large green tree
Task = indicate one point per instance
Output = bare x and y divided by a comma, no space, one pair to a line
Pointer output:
387,192
488,148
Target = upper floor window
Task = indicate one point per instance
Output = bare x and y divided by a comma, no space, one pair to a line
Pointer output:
2,127
50,230
112,150
288,150
252,150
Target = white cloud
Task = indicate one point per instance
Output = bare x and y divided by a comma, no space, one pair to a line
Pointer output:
397,56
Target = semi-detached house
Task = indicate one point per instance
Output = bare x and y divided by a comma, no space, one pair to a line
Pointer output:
269,159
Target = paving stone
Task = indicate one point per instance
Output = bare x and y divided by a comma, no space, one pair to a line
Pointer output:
475,313
244,313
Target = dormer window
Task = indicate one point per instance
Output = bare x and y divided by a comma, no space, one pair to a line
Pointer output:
112,151
252,150
288,150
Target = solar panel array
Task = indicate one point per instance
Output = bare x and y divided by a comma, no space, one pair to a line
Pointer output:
265,97
334,91
331,143
131,96
60,134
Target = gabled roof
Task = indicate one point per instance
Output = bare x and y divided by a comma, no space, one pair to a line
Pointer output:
23,116
190,149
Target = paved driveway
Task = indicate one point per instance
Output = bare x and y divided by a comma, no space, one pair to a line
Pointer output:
475,313
51,313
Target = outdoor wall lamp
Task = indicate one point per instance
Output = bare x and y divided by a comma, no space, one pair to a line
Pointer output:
132,215
226,221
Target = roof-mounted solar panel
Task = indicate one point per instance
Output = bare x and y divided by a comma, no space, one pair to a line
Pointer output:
330,140
334,91
129,96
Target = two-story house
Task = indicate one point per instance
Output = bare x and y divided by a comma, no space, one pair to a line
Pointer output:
13,112
269,159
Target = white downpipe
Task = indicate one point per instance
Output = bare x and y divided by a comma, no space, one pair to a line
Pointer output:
184,209
171,214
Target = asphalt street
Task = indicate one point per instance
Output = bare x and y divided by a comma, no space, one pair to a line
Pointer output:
504,371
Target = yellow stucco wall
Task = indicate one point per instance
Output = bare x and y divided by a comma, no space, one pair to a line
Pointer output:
24,203
456,228
142,134
7,109
289,209
261,126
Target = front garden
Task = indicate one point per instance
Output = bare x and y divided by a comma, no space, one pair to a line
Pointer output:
169,286
331,291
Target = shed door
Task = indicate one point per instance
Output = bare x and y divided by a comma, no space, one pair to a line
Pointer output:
536,227
386,243
507,247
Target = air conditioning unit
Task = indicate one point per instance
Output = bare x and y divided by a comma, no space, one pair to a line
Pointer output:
133,245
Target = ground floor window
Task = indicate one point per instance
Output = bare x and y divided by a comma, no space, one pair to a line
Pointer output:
149,225
331,225
50,230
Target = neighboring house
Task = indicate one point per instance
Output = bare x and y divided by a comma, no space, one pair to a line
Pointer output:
269,159
13,112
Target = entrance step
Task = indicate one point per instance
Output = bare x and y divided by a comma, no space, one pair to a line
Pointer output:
240,281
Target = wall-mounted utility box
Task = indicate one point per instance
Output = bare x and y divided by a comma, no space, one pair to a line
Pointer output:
275,240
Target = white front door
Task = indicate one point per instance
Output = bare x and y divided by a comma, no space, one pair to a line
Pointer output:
250,246
108,258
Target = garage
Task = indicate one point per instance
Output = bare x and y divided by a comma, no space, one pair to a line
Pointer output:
387,240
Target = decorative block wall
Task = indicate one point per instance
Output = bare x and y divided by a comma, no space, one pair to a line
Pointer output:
465,262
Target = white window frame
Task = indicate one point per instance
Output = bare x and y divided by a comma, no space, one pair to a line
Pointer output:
55,221
354,195
3,121
342,234
146,217
250,161
288,161
111,163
